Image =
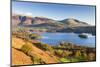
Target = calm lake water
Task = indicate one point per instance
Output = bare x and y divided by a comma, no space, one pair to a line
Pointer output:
56,38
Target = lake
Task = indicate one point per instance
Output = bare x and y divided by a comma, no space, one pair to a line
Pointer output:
56,38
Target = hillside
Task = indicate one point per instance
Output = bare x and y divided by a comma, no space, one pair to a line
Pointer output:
19,58
71,22
43,24
25,20
80,29
19,48
27,51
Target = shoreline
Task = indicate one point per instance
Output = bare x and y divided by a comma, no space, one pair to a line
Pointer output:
38,51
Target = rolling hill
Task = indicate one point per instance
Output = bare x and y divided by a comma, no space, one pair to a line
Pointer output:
51,25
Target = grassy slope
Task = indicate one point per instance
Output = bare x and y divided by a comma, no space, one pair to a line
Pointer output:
18,43
19,58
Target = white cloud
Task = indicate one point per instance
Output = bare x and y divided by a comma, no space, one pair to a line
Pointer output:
28,14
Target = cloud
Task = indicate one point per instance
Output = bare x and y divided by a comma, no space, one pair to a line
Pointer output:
23,13
28,14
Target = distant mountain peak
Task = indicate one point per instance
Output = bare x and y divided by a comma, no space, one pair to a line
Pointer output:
74,22
71,20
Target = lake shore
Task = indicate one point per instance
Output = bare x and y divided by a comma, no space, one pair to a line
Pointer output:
41,53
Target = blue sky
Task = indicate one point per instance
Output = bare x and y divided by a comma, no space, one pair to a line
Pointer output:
55,11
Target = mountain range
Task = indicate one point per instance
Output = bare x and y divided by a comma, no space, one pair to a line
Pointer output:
66,25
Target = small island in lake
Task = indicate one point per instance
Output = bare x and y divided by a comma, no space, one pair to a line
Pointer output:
83,36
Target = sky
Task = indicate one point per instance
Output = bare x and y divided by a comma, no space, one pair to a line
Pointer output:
55,11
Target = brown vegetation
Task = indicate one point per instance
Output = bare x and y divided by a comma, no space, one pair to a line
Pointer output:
37,56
